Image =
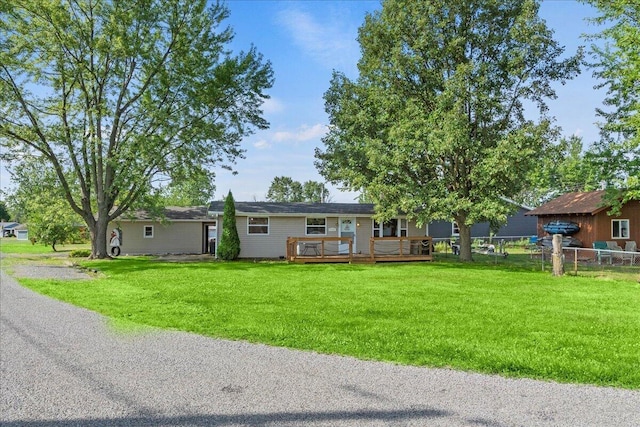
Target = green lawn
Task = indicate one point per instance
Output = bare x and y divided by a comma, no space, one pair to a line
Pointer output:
495,319
10,245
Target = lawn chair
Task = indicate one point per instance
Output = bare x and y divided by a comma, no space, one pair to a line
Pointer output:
616,249
632,250
613,245
602,251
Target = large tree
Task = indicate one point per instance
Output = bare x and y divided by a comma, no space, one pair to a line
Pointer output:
4,212
617,65
435,124
38,199
315,192
119,97
286,189
564,167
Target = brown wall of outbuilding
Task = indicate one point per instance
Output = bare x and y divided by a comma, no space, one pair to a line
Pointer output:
598,227
586,223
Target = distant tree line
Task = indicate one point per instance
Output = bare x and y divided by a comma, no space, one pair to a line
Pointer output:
285,189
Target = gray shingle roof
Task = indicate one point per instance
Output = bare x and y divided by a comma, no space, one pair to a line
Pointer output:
173,213
294,208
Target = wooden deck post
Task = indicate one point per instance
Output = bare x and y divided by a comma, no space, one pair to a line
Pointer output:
372,246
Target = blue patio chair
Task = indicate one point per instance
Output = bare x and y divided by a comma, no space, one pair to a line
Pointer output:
602,251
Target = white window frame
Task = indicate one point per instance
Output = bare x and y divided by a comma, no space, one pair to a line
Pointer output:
379,227
249,225
455,230
307,226
623,232
401,228
144,232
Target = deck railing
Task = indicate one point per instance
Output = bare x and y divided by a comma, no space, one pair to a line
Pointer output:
340,249
409,248
319,249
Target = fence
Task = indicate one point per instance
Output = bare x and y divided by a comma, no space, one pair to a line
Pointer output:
487,245
520,252
577,258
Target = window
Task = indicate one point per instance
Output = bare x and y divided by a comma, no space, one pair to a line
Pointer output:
619,228
404,227
455,230
148,232
259,225
316,226
386,229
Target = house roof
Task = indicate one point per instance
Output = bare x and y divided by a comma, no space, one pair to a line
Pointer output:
197,213
172,213
296,208
590,202
9,225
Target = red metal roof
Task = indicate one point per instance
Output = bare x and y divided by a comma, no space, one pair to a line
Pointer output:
573,203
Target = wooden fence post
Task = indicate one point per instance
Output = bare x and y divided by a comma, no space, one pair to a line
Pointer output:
556,257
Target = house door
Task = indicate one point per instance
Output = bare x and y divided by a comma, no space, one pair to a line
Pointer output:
210,237
347,229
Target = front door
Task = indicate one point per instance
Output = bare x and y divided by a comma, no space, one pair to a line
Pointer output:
210,234
347,229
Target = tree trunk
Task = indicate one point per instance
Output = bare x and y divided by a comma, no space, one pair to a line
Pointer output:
98,232
465,241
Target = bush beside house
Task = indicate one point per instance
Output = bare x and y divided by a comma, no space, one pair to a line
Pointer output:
229,248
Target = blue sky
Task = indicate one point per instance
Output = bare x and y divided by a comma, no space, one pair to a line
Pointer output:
305,41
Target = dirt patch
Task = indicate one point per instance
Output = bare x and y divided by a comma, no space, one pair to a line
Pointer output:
61,272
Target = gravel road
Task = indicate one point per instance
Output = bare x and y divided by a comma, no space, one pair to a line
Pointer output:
64,366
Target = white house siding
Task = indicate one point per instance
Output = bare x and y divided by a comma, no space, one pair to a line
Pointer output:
414,230
176,237
272,245
186,237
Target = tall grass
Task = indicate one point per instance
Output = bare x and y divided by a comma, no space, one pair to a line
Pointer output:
494,319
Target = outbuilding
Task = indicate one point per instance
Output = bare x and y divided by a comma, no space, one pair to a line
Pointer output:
591,213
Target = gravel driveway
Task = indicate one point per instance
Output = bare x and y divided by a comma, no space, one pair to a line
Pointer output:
64,366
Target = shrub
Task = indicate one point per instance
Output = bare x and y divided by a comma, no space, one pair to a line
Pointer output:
229,248
80,253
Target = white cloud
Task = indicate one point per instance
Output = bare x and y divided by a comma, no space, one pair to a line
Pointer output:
302,134
262,145
578,132
331,43
272,106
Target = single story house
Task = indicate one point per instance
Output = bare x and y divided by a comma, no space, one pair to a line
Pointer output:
185,231
7,228
21,232
518,225
263,228
590,212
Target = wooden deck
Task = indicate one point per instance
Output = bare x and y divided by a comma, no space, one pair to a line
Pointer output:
340,250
